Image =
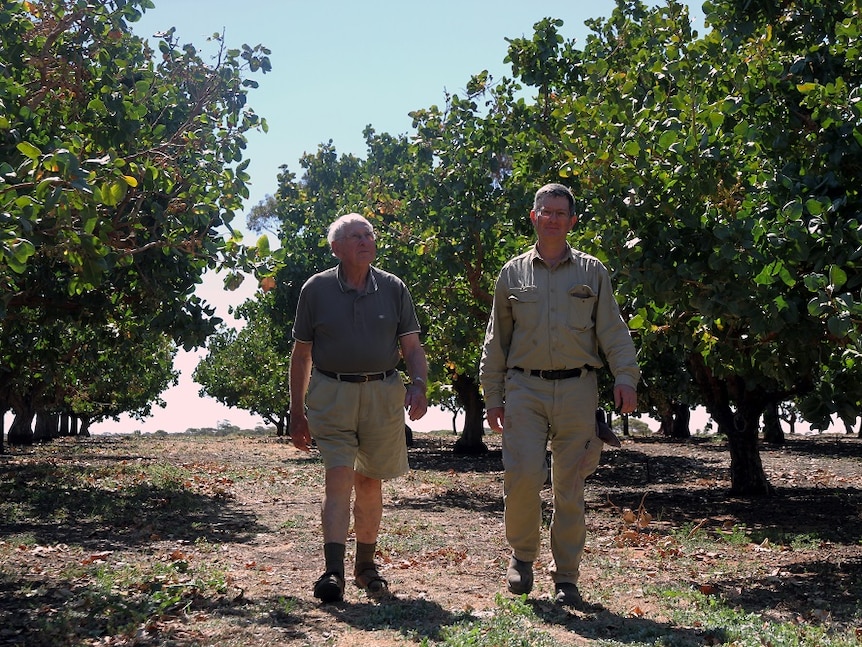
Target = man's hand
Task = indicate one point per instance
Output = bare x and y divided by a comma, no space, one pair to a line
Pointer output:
625,398
299,433
496,416
415,401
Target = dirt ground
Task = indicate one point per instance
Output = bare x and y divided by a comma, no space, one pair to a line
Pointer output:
93,531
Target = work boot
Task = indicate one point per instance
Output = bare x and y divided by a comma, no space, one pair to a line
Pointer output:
566,594
519,576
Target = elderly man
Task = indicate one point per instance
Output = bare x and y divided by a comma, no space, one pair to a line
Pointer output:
354,323
553,311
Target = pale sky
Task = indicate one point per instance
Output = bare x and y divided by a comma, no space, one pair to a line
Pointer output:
339,65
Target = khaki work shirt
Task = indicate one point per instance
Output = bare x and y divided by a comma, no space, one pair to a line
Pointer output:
554,319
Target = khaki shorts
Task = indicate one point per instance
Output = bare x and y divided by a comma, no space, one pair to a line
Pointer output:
359,425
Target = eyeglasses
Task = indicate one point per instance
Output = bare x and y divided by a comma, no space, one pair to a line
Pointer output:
559,215
357,237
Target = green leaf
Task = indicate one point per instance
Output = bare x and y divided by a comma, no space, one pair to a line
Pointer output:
814,207
786,277
668,138
27,149
21,251
637,322
766,276
263,246
112,193
837,277
839,326
97,106
816,307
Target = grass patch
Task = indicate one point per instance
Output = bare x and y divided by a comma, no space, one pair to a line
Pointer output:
514,623
740,628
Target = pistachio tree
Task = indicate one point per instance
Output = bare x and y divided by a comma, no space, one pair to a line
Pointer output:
121,168
246,368
725,167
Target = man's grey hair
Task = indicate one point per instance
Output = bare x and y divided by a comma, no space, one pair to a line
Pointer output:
336,229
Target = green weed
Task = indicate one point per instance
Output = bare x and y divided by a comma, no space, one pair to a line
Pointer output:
513,624
741,628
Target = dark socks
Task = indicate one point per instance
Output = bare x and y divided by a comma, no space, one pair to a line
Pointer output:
364,557
334,555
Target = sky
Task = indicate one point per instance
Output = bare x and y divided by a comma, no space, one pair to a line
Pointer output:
338,66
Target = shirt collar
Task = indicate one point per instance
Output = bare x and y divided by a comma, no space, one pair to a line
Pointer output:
370,282
535,256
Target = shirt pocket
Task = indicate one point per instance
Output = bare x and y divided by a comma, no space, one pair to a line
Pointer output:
524,302
582,307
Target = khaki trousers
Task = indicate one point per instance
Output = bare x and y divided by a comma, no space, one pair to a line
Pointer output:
560,415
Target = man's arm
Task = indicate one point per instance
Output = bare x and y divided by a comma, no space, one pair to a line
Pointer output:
300,374
415,401
615,341
492,364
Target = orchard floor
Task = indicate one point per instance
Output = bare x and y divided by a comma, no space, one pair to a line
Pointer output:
189,540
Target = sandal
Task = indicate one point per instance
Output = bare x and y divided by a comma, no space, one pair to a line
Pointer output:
329,587
369,580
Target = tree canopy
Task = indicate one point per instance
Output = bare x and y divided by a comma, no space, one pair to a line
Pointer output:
716,179
724,167
120,169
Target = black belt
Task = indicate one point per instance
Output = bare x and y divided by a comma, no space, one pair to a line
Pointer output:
562,374
357,377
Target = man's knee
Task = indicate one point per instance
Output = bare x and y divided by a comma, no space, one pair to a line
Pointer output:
339,480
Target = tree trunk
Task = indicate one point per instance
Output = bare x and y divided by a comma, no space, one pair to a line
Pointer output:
85,427
21,430
68,424
747,477
47,427
666,425
41,428
2,430
772,431
282,424
791,421
470,442
680,428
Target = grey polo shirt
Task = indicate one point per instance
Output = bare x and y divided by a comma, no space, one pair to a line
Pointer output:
554,319
353,331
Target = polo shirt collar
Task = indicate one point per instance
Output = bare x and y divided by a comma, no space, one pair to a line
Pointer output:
370,282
